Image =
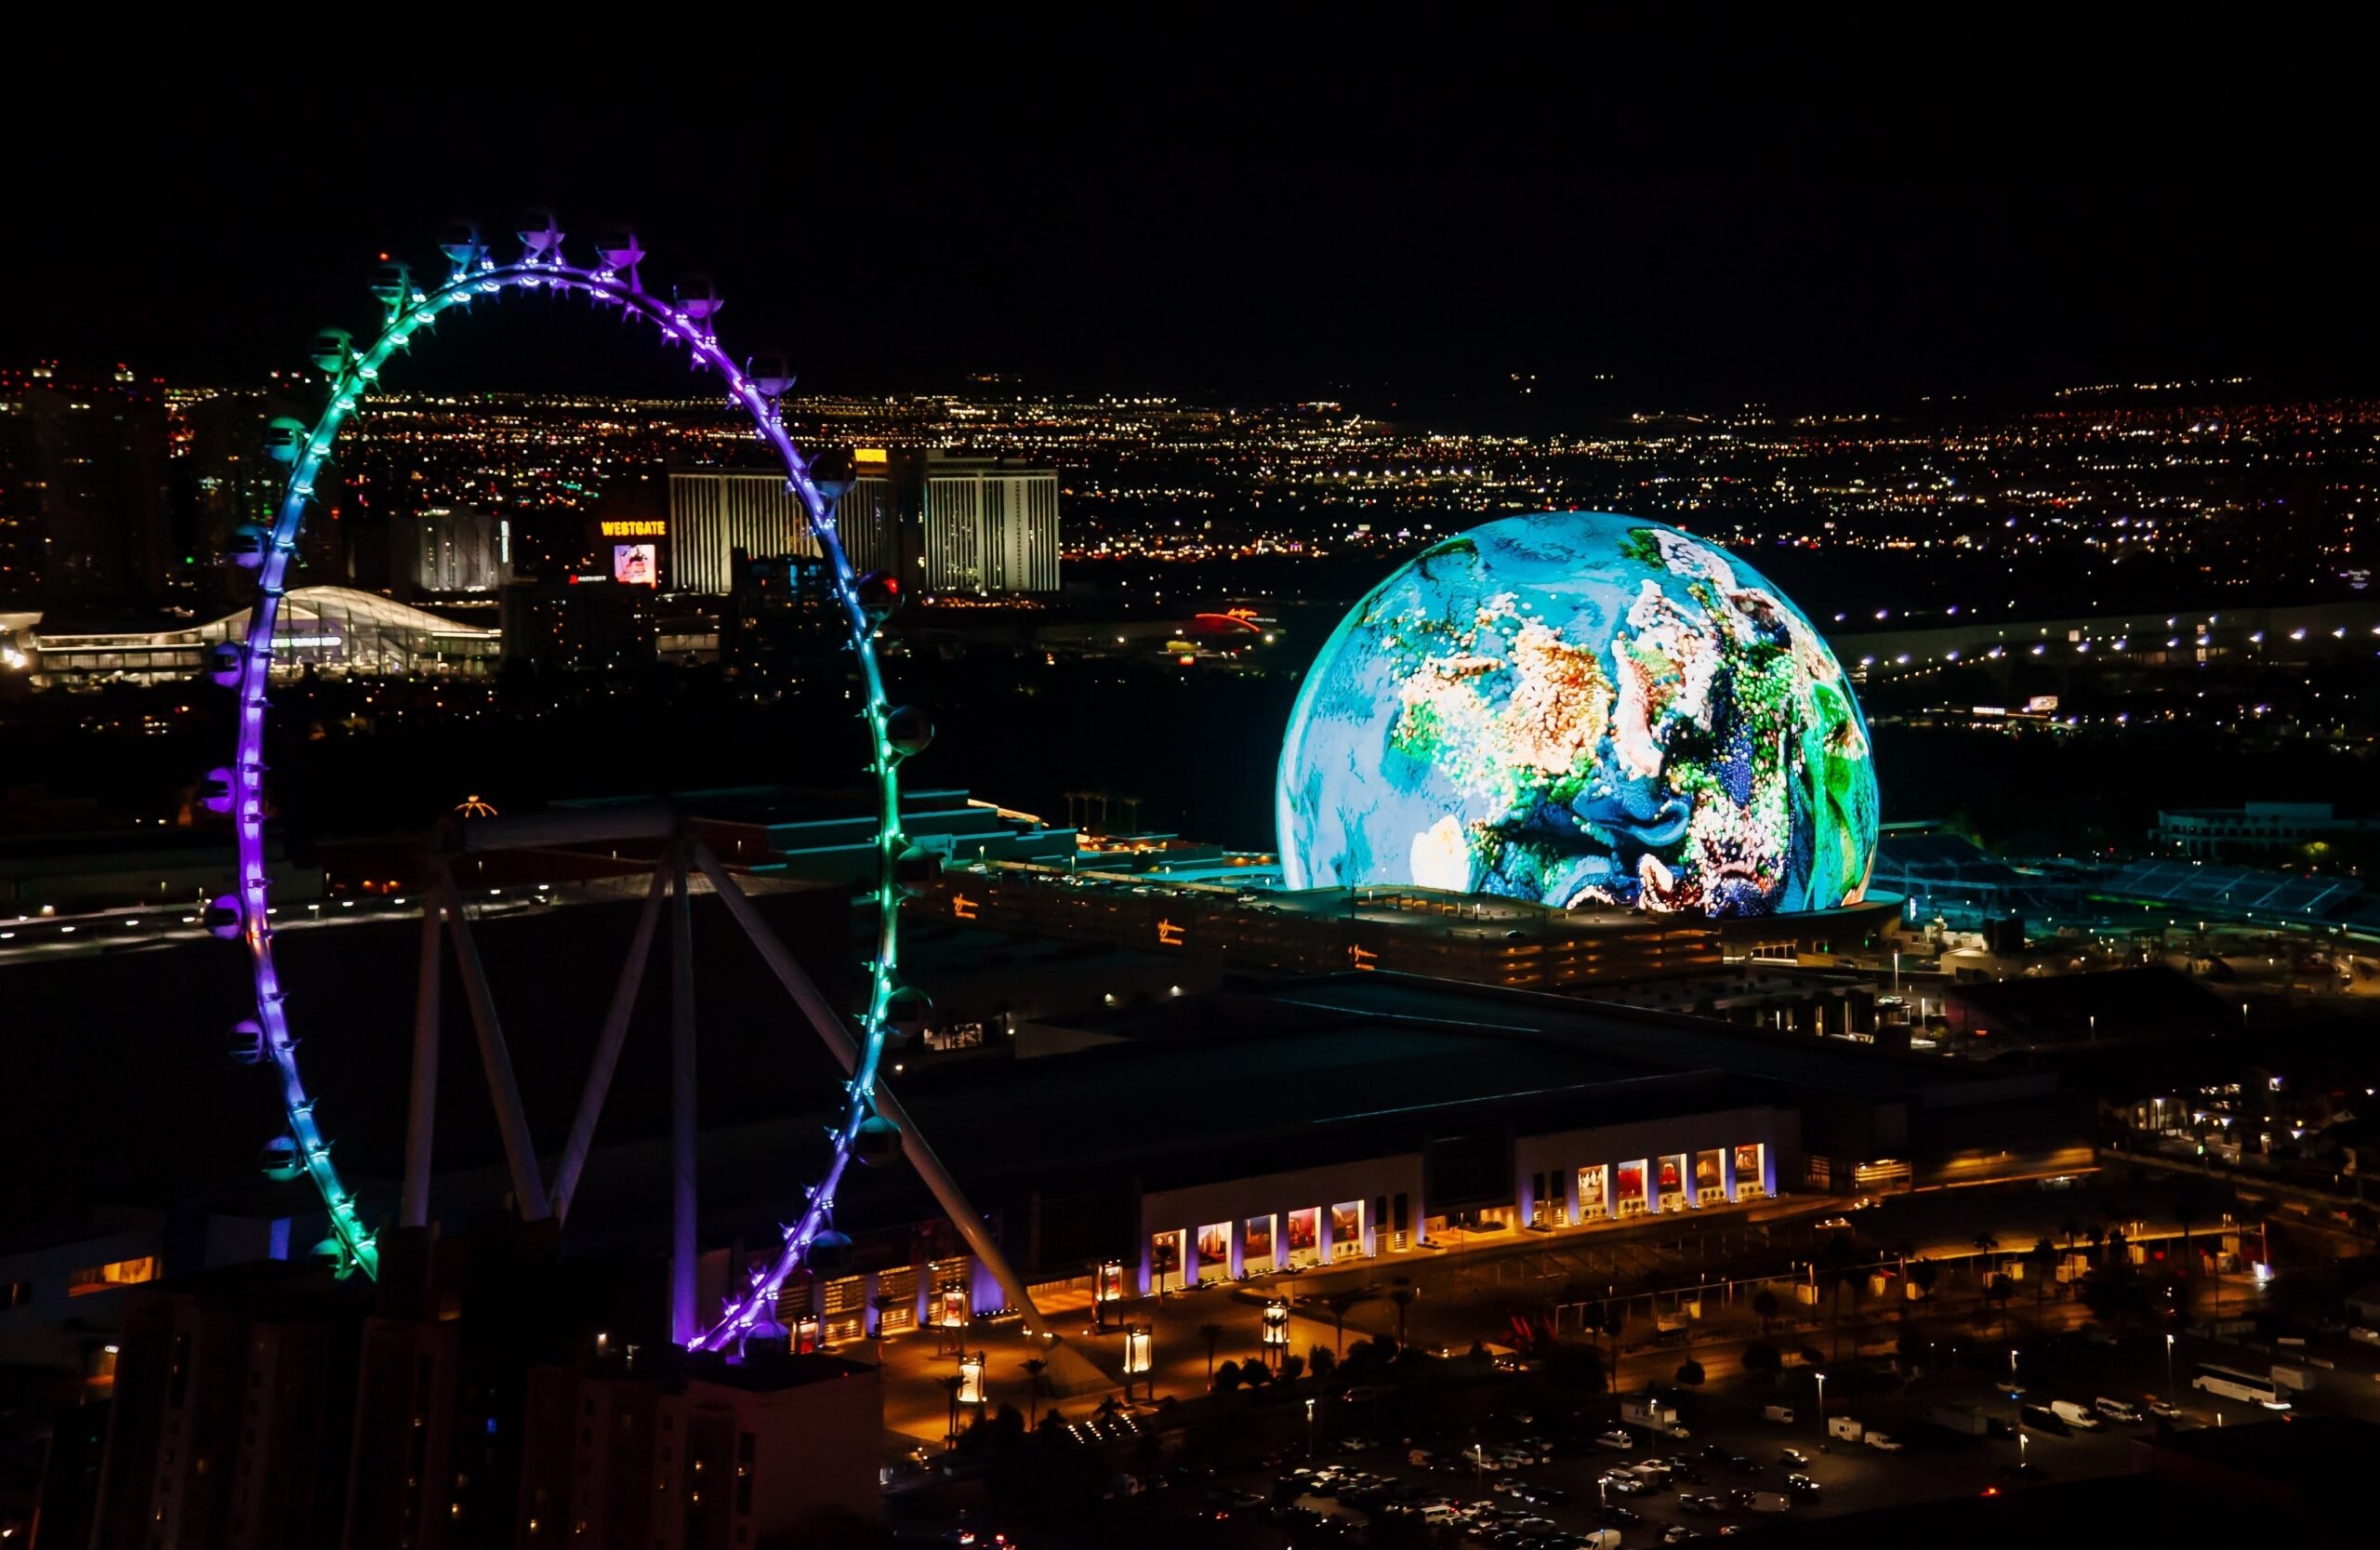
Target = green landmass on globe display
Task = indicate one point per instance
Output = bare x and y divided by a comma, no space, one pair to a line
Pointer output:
1580,708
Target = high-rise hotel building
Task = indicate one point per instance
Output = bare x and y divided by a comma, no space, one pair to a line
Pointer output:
942,522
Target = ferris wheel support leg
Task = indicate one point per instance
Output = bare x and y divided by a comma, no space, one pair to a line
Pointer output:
494,1059
421,1107
838,1039
607,1048
684,1245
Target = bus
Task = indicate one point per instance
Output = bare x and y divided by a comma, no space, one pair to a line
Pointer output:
2235,1384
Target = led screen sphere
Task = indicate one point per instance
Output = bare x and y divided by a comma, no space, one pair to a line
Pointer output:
1580,708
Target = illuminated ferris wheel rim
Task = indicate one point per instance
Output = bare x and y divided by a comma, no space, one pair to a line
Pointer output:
246,913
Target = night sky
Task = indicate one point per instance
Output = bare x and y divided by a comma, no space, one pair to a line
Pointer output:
1238,209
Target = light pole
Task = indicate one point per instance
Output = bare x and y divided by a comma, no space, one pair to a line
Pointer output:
2169,1368
1309,1426
1822,1432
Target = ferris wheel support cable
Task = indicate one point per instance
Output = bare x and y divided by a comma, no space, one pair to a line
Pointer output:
246,913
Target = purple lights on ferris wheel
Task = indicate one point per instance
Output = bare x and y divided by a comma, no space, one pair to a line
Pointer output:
246,914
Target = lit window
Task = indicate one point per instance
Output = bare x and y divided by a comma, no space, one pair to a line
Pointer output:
122,1272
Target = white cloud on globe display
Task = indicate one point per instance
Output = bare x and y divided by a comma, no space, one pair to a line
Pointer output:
1581,709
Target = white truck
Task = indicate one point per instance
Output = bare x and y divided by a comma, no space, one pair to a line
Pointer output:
2082,1418
1653,1414
1843,1428
1781,1415
2292,1377
1881,1442
1965,1420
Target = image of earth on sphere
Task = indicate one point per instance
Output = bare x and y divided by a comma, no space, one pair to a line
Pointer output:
1580,708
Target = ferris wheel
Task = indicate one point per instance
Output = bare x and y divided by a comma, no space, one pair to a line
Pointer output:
871,1125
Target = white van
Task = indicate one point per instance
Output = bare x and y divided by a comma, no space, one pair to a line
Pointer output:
1781,1415
2077,1416
2117,1409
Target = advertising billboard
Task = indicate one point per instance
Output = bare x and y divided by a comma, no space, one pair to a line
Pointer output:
1256,1249
635,564
1306,1235
1214,1251
1595,1191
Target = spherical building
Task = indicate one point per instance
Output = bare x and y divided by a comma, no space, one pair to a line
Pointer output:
1580,708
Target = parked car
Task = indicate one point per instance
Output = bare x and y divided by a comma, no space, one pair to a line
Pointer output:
1615,1513
1802,1487
1617,1442
1792,1457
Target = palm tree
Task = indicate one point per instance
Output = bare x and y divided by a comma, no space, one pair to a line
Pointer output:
1033,1368
1402,1296
1340,1304
1214,1335
1923,1275
2039,1263
1997,1291
1764,1302
1615,1318
2072,1230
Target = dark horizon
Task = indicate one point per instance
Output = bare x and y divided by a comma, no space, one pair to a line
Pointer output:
1816,220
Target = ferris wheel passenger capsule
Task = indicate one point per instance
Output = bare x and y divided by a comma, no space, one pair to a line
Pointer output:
334,348
461,244
878,1142
909,731
916,871
620,252
879,596
247,1041
283,438
224,662
771,373
832,474
541,236
829,1254
281,1162
217,791
393,286
698,300
248,544
225,918
905,1012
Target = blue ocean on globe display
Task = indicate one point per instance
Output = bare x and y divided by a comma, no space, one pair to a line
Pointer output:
1581,709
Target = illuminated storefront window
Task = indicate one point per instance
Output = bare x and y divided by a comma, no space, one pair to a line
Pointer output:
1752,1171
896,1295
1594,1192
1671,1175
1214,1251
1305,1237
1165,1261
1347,1230
1256,1249
1710,1176
1627,1196
100,1278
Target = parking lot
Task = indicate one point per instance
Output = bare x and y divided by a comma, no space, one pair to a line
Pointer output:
1539,1479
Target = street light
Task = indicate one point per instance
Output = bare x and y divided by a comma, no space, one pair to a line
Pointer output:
1309,1426
2169,1368
1822,1412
